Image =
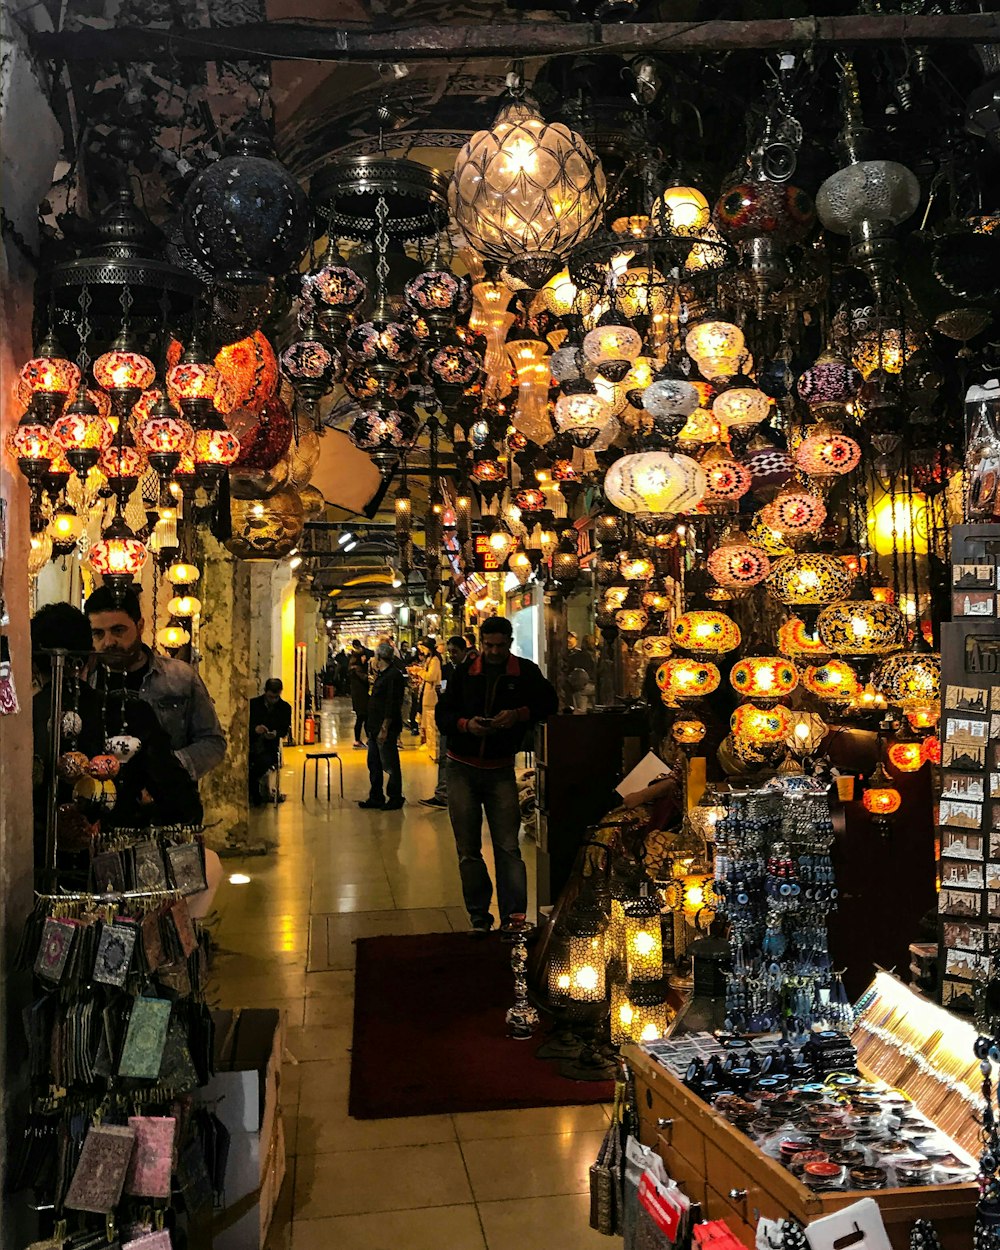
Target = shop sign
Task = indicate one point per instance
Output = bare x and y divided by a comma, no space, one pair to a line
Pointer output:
982,655
486,557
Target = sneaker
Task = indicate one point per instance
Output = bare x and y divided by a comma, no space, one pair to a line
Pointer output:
481,928
393,805
516,925
434,802
378,804
359,746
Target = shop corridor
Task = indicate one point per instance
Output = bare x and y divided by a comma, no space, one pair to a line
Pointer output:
513,1180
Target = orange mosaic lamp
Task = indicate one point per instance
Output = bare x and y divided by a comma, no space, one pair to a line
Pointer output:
679,679
706,633
835,681
764,677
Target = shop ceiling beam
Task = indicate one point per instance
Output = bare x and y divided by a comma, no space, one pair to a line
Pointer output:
282,41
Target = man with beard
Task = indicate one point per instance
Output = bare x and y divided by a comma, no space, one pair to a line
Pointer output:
486,711
172,688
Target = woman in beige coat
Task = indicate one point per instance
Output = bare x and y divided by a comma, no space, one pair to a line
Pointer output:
430,675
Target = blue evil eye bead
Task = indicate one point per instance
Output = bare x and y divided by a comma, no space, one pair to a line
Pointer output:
995,1052
784,889
743,899
982,1048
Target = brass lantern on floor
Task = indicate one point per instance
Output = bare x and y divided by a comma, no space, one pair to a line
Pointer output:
643,940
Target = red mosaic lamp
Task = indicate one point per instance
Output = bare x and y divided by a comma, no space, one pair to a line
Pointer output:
50,379
124,373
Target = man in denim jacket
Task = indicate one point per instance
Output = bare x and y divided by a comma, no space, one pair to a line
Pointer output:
173,688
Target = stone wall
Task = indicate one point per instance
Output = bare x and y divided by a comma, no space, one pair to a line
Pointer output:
29,150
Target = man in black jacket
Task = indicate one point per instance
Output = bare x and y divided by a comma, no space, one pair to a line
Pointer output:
384,723
485,712
270,721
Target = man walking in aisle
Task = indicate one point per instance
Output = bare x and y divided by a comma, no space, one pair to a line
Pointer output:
173,689
383,725
485,712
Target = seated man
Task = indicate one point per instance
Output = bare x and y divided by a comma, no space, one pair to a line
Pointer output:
270,722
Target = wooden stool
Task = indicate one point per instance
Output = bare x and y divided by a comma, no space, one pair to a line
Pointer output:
326,757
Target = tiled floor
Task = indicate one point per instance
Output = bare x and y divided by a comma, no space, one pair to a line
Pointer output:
504,1180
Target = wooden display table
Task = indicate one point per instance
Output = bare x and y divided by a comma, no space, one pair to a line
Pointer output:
723,1169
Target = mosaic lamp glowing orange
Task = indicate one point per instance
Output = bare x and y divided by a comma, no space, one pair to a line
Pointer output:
50,377
706,633
880,797
809,579
679,679
794,512
796,641
861,627
764,677
835,681
906,756
738,565
688,732
118,555
761,726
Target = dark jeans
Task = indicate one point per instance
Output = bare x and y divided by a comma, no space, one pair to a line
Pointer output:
441,789
471,792
383,757
359,724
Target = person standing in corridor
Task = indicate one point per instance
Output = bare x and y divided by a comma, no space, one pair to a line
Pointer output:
357,678
485,712
384,724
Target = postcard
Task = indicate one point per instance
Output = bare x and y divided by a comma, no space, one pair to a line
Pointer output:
961,874
973,576
968,937
974,603
992,875
965,731
966,964
995,698
954,755
960,903
993,904
968,786
962,845
957,995
966,699
960,815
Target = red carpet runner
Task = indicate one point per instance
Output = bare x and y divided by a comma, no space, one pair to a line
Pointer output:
430,1035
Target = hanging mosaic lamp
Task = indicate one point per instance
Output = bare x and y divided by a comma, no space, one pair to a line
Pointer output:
311,364
828,386
669,397
835,681
580,413
880,797
741,405
861,627
763,677
798,642
525,193
688,732
82,433
906,755
123,464
910,678
117,556
826,455
245,214
683,678
124,373
655,486
759,726
48,380
333,293
706,633
248,373
809,579
165,435
655,647
737,565
794,512
438,296
611,348
727,480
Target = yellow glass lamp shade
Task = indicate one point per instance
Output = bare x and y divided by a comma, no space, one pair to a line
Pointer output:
641,292
65,527
709,252
910,679
636,568
525,193
835,681
614,597
631,622
184,606
183,574
172,636
681,211
861,627
764,677
587,970
520,565
809,579
899,523
266,529
794,512
769,540
655,484
807,732
712,338
39,552
706,633
737,564
582,415
679,679
643,943
688,733
610,344
699,899
561,296
906,757
702,426
622,1013
741,405
886,348
761,726
558,969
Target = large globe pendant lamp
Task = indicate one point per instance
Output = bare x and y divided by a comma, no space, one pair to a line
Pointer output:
655,486
525,193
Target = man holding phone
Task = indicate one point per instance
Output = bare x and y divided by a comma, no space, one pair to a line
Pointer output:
485,713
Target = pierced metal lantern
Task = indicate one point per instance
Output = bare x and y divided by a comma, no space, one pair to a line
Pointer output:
807,732
706,633
643,940
587,962
683,678
764,677
266,529
524,193
835,681
809,579
246,214
861,627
